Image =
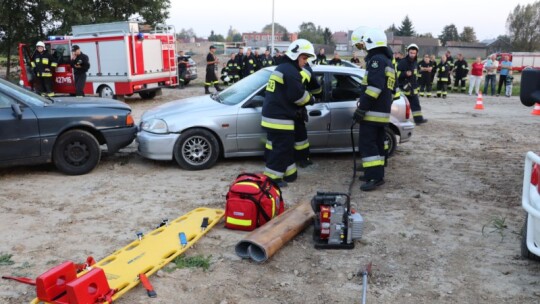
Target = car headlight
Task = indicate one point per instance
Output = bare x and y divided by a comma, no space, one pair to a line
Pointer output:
155,126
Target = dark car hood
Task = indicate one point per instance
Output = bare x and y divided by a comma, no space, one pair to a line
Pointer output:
90,102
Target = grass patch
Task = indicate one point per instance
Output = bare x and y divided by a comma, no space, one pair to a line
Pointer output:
198,261
5,259
495,224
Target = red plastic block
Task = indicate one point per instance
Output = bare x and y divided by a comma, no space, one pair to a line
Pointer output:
88,288
52,284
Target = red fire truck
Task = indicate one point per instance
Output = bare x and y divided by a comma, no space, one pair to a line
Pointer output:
123,60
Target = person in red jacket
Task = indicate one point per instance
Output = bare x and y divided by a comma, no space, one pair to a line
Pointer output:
476,76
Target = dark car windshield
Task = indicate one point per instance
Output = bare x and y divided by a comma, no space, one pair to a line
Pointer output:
23,94
241,90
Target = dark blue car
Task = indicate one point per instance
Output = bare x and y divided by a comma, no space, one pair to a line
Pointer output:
67,131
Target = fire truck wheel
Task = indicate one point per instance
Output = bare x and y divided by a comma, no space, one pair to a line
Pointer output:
196,149
147,94
76,152
525,253
392,141
106,92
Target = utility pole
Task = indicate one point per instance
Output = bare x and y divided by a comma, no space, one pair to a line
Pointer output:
272,46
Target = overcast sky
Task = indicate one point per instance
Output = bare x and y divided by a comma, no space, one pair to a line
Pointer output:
488,18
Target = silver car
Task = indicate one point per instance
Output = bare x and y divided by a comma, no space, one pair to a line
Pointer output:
197,130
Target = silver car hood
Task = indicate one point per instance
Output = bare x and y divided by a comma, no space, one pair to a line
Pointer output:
182,107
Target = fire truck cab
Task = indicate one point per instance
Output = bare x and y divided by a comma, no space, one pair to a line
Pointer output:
123,60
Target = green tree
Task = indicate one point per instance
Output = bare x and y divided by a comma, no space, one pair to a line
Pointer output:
312,33
237,37
215,38
468,35
449,33
523,25
406,28
285,36
327,36
425,35
278,28
13,22
186,34
391,29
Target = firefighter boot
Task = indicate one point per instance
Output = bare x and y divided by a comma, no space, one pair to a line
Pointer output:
371,184
218,88
206,90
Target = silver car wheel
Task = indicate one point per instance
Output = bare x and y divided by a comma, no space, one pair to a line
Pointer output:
196,149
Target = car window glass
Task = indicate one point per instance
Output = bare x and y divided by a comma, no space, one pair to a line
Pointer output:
23,94
247,86
5,101
60,52
344,87
320,80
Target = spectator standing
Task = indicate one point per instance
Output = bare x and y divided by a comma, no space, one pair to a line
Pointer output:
336,60
424,78
506,66
80,64
443,73
355,59
321,58
491,70
476,76
182,69
509,81
249,66
433,64
211,64
450,62
461,69
240,63
266,59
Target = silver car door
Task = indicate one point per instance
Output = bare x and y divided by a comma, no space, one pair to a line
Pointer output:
250,135
342,99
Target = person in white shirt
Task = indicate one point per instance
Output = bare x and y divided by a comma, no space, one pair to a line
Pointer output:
491,69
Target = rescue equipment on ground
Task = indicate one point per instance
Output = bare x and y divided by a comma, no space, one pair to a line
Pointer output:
264,242
252,200
113,276
336,226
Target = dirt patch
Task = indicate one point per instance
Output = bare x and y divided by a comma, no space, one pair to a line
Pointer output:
423,228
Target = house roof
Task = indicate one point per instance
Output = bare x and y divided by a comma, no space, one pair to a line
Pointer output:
406,40
340,37
465,44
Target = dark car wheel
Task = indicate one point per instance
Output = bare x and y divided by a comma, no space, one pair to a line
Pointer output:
147,94
392,141
76,152
196,149
525,253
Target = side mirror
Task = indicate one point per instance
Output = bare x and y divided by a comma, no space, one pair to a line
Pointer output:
17,112
255,102
530,87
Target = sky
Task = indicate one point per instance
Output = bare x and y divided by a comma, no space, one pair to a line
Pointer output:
488,18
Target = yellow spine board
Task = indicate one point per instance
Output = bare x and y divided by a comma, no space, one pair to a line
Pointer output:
155,250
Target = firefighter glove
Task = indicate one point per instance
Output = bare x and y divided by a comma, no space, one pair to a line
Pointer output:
359,114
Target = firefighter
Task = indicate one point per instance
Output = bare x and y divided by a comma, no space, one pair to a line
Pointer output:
42,64
286,96
450,62
425,79
182,69
240,63
373,112
278,57
211,63
232,69
407,78
443,75
81,65
249,64
461,70
266,59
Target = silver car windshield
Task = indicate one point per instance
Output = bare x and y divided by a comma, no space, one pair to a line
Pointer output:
243,89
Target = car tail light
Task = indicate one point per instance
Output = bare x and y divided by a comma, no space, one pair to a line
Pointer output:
407,108
137,87
535,177
129,120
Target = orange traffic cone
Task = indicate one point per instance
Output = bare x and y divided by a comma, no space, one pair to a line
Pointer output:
479,103
536,110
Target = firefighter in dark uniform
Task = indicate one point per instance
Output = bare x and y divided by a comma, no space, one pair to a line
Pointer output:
182,69
407,78
425,79
81,65
231,68
450,62
461,70
373,112
249,65
42,64
240,63
321,58
211,64
286,95
267,60
336,60
443,74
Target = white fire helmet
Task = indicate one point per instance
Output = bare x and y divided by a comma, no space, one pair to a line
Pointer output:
40,43
374,38
357,35
298,47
